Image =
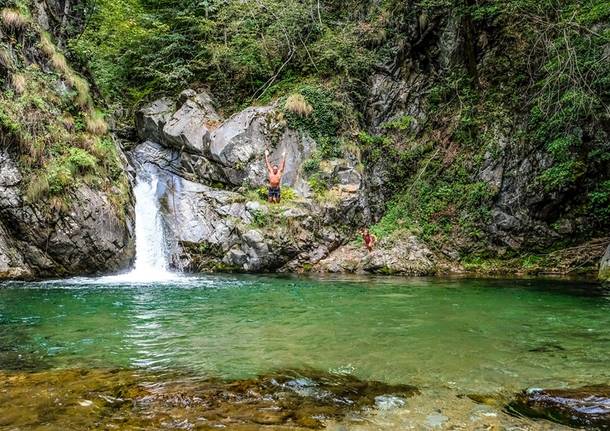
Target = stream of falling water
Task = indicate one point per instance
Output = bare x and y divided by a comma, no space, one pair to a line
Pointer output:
152,250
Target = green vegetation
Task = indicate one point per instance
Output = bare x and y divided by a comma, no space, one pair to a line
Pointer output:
47,115
528,81
551,97
244,49
262,193
400,124
323,121
260,219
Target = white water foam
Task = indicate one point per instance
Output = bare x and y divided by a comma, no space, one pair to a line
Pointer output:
152,262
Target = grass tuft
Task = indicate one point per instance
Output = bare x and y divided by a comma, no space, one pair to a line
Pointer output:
59,63
68,122
6,59
95,123
82,99
13,19
297,104
37,188
18,81
46,45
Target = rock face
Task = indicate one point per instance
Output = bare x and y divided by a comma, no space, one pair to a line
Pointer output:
523,214
405,256
217,218
587,407
88,237
604,267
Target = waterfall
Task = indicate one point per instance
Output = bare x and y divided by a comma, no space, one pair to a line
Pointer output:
151,245
152,249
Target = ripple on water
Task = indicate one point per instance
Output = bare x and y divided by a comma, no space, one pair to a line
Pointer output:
453,337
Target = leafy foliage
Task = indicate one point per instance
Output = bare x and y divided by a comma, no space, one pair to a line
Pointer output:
47,117
240,48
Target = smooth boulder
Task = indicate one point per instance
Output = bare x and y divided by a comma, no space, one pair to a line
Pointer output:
190,126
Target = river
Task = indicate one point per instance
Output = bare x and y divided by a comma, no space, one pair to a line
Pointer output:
455,340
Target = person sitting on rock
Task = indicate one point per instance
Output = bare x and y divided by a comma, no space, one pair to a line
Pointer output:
275,178
369,239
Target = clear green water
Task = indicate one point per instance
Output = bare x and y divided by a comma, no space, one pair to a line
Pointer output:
485,336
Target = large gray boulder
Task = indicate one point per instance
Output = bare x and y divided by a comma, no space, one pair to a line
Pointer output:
89,236
240,137
189,127
151,119
239,145
184,124
208,150
604,267
403,254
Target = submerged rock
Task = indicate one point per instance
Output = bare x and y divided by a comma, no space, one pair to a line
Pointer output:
587,407
288,400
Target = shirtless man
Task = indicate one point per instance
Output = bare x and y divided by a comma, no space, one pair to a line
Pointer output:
275,178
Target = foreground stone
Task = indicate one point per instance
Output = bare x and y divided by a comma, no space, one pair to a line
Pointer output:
587,407
94,399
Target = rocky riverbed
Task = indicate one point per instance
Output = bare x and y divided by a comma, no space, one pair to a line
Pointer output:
284,400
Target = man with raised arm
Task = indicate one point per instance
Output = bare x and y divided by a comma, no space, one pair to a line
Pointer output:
275,178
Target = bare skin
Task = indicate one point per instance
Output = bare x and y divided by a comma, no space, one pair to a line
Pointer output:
369,239
275,173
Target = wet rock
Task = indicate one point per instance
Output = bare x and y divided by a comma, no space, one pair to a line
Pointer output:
587,407
288,400
604,267
89,236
